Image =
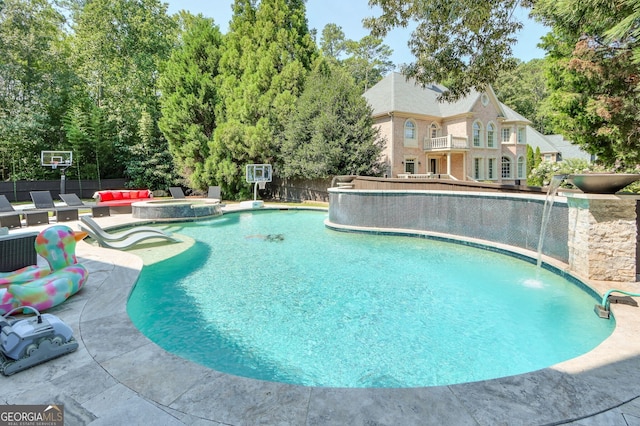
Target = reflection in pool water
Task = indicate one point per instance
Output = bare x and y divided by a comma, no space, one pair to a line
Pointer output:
326,308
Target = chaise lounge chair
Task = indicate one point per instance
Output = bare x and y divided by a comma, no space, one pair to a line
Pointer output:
176,192
9,217
123,239
43,202
214,192
73,200
131,240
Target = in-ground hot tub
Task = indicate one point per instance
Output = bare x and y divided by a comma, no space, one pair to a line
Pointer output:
176,209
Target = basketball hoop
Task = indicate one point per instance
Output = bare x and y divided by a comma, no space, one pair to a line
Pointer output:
258,175
54,165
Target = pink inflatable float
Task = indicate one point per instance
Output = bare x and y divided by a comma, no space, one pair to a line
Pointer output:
45,287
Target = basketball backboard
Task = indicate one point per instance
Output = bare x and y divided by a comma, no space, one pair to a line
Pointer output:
258,173
55,159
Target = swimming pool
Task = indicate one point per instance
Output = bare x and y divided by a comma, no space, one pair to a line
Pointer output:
277,296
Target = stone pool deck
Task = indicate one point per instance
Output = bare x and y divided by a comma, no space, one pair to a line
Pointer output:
117,376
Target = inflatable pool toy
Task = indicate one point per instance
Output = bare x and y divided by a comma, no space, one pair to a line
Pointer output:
45,287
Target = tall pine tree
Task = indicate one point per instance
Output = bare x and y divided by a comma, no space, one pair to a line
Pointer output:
189,97
268,52
331,131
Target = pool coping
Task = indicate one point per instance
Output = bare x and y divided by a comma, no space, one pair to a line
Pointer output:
116,360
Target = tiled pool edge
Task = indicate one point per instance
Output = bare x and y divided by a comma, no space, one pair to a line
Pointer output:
571,390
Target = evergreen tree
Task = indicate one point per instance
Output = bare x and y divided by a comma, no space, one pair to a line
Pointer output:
368,61
189,97
333,42
530,161
150,165
268,52
331,132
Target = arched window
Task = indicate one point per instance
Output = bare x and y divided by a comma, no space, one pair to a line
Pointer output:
477,134
434,131
491,135
410,129
521,168
506,167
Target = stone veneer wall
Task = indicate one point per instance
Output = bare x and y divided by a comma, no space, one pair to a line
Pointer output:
603,237
507,219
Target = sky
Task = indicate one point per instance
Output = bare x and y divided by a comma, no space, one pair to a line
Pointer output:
348,14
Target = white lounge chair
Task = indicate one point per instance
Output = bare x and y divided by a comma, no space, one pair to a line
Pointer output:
131,240
123,239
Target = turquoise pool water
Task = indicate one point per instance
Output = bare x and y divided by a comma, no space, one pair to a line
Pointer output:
277,296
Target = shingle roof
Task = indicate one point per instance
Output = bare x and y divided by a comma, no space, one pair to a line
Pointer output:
397,93
550,144
511,115
537,140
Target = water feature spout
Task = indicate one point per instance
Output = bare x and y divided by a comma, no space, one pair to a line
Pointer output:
555,183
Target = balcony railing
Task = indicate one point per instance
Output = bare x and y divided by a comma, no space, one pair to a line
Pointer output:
445,143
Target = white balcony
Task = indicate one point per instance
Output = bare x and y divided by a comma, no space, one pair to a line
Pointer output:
446,143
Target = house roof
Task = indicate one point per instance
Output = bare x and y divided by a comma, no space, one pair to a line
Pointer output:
397,93
555,144
568,149
537,140
511,115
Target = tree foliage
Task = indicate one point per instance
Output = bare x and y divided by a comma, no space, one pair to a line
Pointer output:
331,131
525,89
367,60
593,78
463,44
33,75
118,46
189,97
268,52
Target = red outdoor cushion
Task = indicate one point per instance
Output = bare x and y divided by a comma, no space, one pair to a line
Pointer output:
105,196
126,195
143,193
134,194
117,195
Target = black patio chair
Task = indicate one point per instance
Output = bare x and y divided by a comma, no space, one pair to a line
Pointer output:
17,251
214,192
43,202
72,200
176,192
9,217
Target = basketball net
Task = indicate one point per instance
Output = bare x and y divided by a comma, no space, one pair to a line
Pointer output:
54,165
